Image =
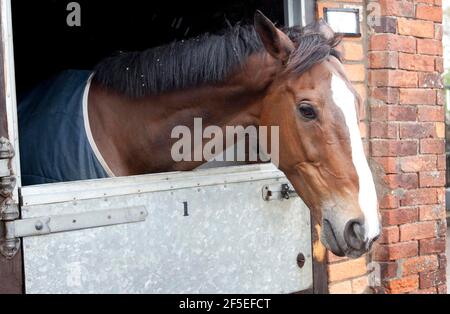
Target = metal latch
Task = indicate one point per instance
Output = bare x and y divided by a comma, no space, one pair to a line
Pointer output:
278,192
16,229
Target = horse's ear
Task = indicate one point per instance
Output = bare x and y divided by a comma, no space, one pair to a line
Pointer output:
277,43
325,29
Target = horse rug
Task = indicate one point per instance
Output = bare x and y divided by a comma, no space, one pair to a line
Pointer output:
56,143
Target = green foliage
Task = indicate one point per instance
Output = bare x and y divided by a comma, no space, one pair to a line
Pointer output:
447,78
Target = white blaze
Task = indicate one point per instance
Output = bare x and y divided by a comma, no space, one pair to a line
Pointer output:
345,100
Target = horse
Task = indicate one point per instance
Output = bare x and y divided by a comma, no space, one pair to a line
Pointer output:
117,120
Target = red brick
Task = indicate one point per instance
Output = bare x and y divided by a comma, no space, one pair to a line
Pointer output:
392,42
399,216
385,60
430,13
418,163
390,165
415,62
417,130
386,24
397,8
393,78
389,201
405,181
360,285
417,28
430,2
442,260
419,264
389,270
419,197
416,96
353,51
441,195
401,113
403,285
355,72
441,228
431,212
430,80
442,289
384,130
390,235
344,287
418,231
348,269
428,146
331,258
392,252
441,162
432,279
431,114
440,130
438,32
429,47
392,148
424,291
439,64
432,179
431,246
441,97
393,113
385,94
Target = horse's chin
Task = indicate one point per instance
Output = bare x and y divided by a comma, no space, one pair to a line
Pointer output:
329,239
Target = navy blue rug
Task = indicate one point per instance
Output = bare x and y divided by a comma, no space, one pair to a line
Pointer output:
54,145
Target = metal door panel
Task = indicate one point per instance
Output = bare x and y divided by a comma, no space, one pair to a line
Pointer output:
232,241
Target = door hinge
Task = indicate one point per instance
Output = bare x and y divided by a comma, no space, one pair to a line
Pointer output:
31,227
6,154
9,211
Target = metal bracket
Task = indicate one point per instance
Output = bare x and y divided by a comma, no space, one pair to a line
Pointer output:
40,226
279,192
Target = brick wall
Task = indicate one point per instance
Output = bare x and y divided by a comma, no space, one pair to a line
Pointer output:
408,141
396,68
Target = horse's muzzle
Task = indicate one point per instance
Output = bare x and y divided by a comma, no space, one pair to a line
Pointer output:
348,241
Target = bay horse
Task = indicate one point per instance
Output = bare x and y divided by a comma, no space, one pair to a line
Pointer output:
254,75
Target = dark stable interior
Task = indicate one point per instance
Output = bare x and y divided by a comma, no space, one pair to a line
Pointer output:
45,45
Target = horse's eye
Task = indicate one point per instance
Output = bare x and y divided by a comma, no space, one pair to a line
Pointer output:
307,111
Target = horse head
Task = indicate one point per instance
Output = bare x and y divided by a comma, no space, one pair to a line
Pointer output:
320,149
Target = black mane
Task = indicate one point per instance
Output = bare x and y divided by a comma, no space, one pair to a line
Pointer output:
207,59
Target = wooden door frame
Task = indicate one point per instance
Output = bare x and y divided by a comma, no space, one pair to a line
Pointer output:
11,270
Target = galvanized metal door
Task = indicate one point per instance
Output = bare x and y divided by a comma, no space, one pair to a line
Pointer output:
207,231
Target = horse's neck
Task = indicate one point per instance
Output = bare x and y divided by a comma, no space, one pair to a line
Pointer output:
134,137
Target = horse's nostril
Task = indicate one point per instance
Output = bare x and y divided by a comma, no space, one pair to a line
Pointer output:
354,234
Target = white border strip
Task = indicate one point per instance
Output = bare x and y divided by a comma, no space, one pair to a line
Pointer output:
87,127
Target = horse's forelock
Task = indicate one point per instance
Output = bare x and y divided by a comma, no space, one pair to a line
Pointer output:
312,47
